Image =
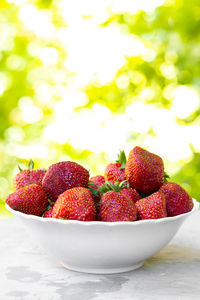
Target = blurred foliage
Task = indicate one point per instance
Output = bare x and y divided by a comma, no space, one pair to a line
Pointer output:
52,90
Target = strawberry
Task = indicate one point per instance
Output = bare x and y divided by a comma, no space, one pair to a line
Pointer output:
75,204
122,187
30,200
30,176
177,199
63,176
132,193
48,213
117,207
98,179
144,170
152,207
94,183
116,171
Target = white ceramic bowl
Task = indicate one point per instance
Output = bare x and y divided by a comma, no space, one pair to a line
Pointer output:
102,247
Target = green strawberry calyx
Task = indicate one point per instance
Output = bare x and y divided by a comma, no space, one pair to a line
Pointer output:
116,187
93,191
93,187
20,169
31,165
121,159
166,177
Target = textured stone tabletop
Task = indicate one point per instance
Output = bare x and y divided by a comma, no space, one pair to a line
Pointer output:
27,272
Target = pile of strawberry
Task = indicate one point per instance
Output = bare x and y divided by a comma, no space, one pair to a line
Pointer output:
130,190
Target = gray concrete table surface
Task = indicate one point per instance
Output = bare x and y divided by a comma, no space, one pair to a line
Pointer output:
27,272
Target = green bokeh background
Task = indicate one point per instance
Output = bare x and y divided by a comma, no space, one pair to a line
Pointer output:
36,75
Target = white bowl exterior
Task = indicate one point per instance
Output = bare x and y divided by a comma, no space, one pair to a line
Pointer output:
102,247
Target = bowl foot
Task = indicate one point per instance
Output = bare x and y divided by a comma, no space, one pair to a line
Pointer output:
102,270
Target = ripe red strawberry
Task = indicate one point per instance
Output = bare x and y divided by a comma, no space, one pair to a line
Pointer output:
122,187
117,207
144,170
177,199
152,207
75,204
30,176
63,176
98,179
132,193
94,183
116,171
48,213
30,200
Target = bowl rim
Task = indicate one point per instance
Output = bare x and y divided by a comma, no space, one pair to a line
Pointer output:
103,223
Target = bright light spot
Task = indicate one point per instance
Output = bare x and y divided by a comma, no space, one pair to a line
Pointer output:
101,112
73,11
14,134
147,93
137,78
175,41
60,76
7,44
102,77
16,62
173,146
34,48
185,102
36,75
149,55
49,55
59,91
130,6
192,132
36,20
132,45
85,130
100,135
115,135
163,122
5,82
168,91
169,140
72,99
168,70
100,56
103,51
17,2
96,53
171,56
6,37
28,151
2,88
29,112
122,81
3,187
141,116
54,132
43,92
66,119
